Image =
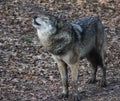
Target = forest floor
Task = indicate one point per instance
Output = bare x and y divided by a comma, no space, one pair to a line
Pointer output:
27,71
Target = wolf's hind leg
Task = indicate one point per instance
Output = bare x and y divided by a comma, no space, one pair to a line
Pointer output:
92,60
93,80
102,82
96,58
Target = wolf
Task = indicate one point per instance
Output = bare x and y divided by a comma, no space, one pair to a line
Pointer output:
70,42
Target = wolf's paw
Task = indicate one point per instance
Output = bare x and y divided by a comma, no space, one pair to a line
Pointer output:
75,97
102,83
63,95
91,81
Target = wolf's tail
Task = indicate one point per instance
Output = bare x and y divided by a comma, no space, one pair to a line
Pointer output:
101,41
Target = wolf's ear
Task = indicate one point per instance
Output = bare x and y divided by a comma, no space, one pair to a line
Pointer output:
77,28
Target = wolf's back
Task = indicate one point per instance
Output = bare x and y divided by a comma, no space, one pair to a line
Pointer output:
92,35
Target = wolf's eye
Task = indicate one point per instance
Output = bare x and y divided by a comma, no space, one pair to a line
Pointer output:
46,19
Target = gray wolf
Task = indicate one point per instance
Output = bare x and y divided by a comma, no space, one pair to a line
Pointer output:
70,42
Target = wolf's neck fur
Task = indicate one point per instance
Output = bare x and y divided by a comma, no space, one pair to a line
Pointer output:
44,34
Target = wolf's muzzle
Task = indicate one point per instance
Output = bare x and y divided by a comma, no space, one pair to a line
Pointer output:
35,22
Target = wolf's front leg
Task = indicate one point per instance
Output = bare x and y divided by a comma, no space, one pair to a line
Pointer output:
63,72
74,72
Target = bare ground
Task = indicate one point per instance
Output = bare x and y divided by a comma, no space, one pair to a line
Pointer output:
28,73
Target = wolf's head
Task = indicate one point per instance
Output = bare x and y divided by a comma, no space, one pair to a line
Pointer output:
47,23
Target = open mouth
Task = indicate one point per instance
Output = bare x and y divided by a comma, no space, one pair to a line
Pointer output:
35,22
